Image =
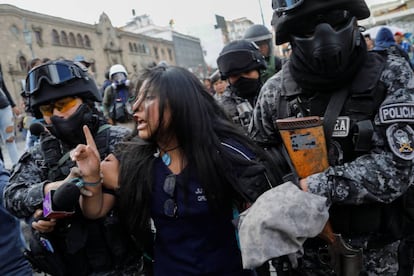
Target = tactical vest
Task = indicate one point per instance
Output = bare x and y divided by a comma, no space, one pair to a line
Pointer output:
352,138
82,246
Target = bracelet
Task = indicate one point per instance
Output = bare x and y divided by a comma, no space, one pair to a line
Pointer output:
92,184
81,183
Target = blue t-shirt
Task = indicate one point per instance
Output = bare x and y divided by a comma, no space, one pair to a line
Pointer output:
196,241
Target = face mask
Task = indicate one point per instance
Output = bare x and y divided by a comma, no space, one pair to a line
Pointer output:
246,88
69,130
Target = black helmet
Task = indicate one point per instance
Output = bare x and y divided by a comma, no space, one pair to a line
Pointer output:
57,79
260,34
215,76
257,33
286,15
240,56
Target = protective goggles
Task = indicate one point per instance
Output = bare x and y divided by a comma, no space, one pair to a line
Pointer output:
337,19
285,5
118,76
62,105
54,73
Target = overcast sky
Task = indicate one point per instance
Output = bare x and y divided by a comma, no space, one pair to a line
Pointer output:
193,17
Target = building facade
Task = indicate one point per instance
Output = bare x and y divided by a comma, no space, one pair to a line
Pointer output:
188,52
27,34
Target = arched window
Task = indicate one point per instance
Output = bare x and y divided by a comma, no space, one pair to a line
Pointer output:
80,40
72,40
55,37
135,48
64,37
87,41
131,49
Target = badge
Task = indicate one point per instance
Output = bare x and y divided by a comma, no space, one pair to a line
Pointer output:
341,128
401,141
398,112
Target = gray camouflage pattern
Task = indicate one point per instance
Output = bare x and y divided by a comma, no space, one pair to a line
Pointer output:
24,193
229,101
374,177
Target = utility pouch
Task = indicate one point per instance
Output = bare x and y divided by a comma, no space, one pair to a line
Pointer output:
345,260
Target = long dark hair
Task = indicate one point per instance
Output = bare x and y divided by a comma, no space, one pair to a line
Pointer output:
200,125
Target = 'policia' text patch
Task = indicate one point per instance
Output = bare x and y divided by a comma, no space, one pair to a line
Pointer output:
398,112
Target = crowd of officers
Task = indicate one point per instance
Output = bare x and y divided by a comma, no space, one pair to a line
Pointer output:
363,100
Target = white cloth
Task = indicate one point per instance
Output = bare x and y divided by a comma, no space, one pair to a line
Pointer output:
279,222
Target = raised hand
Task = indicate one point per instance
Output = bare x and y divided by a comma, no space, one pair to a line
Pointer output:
87,158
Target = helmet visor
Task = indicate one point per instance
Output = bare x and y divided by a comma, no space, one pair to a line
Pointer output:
53,73
285,5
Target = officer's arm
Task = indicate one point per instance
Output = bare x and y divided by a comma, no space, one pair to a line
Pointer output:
23,194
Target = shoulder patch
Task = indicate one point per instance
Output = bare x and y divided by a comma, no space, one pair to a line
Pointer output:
341,128
401,141
398,112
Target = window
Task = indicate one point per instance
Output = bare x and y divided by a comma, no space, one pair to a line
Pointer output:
170,54
156,53
80,40
87,41
38,36
64,37
14,30
55,37
72,40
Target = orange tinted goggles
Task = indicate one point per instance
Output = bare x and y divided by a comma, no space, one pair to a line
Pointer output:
61,105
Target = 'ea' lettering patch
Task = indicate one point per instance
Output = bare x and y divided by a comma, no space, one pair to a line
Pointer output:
401,141
398,112
341,128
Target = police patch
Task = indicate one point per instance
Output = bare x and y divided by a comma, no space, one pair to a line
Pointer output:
398,112
401,141
341,128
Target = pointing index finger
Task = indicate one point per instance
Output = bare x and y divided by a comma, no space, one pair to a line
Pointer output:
89,138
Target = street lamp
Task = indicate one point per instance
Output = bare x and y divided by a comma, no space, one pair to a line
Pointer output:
27,34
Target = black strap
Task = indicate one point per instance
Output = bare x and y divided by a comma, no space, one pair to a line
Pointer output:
332,112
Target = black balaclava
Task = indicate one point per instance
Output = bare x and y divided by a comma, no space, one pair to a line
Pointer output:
246,88
70,130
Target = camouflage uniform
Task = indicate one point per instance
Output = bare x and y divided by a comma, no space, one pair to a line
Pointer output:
24,194
230,102
374,177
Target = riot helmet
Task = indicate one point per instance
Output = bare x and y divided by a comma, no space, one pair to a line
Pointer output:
115,69
287,14
118,75
240,56
58,79
259,34
324,35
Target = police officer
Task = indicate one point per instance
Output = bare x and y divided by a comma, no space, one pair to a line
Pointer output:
115,104
241,64
263,38
64,94
366,100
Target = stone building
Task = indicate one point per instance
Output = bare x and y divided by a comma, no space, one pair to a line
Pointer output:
25,34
